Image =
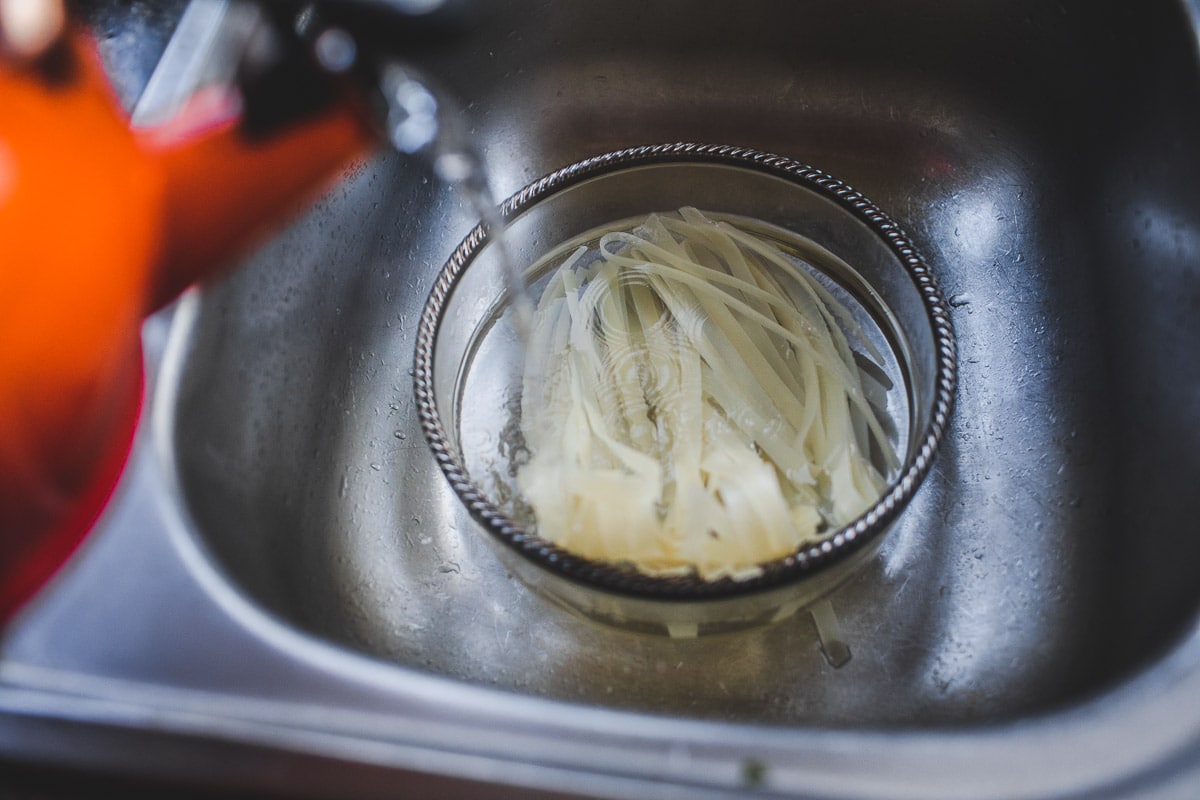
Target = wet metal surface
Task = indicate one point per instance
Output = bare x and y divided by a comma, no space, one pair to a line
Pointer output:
313,610
308,477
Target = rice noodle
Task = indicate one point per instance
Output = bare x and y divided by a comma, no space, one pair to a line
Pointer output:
692,402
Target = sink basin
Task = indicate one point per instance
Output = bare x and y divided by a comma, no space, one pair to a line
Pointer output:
1040,169
1036,605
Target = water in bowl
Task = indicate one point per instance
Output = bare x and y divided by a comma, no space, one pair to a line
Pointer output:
495,376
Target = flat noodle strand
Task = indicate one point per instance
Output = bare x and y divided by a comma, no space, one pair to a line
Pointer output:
693,403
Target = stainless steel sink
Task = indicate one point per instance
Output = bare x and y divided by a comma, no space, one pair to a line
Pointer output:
1029,629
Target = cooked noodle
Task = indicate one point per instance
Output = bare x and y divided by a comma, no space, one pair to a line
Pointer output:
692,403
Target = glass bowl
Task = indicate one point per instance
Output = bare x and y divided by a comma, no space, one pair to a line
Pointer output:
468,367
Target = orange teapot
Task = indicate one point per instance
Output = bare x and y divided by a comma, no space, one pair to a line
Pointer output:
100,225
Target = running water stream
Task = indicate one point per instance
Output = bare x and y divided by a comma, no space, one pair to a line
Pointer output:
427,122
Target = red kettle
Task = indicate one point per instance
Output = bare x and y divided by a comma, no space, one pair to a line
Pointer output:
100,225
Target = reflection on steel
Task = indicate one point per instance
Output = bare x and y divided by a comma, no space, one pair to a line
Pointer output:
1029,628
